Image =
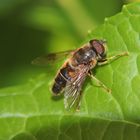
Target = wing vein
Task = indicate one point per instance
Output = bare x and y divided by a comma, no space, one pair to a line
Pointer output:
72,91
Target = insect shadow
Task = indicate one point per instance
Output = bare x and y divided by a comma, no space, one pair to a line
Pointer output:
58,97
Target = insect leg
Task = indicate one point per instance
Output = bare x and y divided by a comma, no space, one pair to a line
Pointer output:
112,58
99,82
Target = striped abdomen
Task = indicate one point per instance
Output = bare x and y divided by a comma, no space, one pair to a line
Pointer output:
62,78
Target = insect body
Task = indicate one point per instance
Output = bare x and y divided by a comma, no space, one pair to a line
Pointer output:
73,73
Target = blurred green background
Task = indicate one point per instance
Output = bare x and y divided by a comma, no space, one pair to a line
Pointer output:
29,28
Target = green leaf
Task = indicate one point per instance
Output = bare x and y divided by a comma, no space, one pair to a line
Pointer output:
29,111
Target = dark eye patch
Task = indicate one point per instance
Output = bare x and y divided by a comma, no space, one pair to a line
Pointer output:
98,46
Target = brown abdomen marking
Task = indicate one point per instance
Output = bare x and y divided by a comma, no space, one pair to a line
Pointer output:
61,79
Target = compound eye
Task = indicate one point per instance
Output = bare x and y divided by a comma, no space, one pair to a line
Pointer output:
98,45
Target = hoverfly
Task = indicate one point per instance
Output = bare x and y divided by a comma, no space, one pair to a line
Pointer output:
71,76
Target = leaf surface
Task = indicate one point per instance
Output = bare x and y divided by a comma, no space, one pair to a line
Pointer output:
30,112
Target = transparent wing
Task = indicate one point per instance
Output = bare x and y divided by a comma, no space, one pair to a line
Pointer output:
51,58
72,93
